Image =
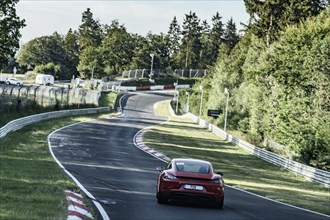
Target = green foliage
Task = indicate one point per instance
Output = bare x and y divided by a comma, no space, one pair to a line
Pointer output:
270,17
71,45
10,25
215,39
90,32
278,91
45,50
90,37
96,51
191,41
107,99
49,68
230,36
90,64
301,61
174,36
117,49
228,73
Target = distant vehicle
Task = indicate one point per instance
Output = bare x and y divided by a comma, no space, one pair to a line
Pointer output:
3,79
14,81
190,180
80,83
44,79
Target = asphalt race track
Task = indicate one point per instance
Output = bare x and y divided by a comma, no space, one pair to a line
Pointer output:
102,156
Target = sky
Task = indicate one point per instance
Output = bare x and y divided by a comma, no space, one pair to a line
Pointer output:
44,17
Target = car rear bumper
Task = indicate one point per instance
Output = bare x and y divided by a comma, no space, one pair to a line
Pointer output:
184,196
189,195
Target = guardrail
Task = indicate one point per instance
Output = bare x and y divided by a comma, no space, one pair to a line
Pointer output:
21,122
144,73
146,88
308,172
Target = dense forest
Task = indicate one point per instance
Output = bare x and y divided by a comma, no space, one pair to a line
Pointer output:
277,70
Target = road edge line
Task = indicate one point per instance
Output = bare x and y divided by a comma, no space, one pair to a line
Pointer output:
96,203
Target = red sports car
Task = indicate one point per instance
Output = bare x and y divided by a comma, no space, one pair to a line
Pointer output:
190,179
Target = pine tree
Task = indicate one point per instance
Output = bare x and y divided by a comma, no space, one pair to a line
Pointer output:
230,36
90,37
174,37
90,32
72,51
216,38
191,42
204,57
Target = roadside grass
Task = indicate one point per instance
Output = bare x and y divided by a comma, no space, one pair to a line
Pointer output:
31,183
181,137
107,99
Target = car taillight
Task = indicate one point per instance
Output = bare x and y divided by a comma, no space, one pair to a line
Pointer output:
169,176
218,180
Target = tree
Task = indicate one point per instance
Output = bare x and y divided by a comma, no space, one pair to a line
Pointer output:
152,44
174,38
160,49
191,41
230,35
141,55
90,63
204,57
290,81
10,25
90,37
44,50
216,38
71,45
268,18
90,32
116,49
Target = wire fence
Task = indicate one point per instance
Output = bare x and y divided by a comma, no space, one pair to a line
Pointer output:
46,96
184,73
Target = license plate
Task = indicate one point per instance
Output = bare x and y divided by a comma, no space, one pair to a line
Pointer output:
193,187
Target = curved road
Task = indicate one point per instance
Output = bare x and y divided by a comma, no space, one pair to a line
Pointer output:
102,156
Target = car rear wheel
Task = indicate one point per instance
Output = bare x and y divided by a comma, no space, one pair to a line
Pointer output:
161,199
220,204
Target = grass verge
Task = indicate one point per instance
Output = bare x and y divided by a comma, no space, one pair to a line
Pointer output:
107,99
181,137
31,183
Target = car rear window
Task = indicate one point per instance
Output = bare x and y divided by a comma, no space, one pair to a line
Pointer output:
192,167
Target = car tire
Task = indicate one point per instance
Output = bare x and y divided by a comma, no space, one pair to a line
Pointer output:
7,83
220,204
161,199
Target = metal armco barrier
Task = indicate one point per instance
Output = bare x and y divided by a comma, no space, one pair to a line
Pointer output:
21,122
308,172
